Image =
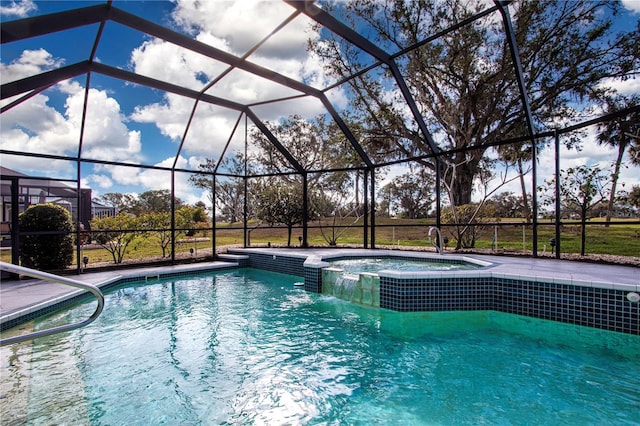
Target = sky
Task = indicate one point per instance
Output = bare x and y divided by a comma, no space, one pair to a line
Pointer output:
138,125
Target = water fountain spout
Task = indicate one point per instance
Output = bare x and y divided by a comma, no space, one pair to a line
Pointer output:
438,242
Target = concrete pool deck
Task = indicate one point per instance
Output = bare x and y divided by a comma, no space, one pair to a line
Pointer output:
21,297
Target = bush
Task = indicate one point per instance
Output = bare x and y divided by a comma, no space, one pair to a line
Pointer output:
51,251
115,233
468,222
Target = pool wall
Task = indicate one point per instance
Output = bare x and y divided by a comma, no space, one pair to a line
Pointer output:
284,264
571,301
603,308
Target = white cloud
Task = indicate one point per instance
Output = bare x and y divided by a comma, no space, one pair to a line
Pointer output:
152,179
630,86
208,133
169,62
36,126
159,179
241,24
306,107
145,179
121,175
41,167
17,9
106,136
591,154
170,117
101,181
29,63
632,5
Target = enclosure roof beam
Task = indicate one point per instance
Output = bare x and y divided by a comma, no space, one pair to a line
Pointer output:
448,30
46,24
163,85
135,22
50,77
322,17
32,27
265,130
44,79
29,95
414,108
517,65
346,131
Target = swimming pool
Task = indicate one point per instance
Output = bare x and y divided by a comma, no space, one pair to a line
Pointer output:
247,346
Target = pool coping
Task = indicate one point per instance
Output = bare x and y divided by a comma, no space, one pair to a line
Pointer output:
484,271
541,270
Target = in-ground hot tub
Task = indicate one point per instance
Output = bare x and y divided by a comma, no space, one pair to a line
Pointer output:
357,279
558,292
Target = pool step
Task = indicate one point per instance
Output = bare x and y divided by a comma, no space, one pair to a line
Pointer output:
241,259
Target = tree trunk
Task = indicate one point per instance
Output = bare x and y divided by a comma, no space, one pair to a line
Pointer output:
357,191
525,203
462,187
583,230
614,182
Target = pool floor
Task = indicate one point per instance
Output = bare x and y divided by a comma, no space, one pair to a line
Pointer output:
249,347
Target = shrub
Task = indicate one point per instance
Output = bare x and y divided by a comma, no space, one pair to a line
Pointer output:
50,251
468,222
115,233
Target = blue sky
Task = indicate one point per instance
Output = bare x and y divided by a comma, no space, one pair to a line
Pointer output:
139,125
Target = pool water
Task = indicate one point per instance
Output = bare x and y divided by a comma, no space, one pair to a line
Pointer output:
368,264
248,347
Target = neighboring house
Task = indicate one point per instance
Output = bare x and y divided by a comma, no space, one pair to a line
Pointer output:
101,211
23,190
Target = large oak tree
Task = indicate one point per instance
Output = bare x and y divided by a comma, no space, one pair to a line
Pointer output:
464,82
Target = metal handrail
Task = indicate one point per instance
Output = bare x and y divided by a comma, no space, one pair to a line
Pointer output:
438,243
59,280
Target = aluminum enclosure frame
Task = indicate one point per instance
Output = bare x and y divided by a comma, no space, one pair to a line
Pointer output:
101,14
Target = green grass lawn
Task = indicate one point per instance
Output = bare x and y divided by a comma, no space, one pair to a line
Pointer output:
619,239
142,248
